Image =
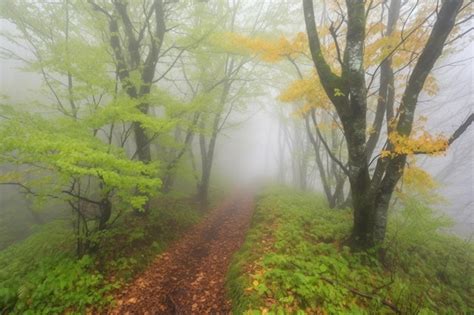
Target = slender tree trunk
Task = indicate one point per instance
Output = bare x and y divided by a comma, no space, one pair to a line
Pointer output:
170,174
203,194
303,173
319,162
207,153
281,153
338,196
206,170
105,213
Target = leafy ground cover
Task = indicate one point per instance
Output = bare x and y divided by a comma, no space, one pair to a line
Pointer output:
42,275
294,261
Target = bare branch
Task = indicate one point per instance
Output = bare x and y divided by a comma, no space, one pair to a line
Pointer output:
326,146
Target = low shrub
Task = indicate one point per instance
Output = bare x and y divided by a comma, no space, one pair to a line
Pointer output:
42,274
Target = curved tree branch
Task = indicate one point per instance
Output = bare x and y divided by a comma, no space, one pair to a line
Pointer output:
326,146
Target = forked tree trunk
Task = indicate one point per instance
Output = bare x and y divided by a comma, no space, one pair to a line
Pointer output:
371,191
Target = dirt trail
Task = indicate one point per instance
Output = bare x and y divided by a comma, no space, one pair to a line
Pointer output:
189,277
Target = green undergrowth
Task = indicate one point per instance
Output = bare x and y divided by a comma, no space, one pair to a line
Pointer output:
294,261
42,275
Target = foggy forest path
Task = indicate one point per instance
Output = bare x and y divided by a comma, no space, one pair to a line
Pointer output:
189,277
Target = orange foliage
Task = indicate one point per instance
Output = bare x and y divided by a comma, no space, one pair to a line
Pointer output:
271,50
418,183
307,90
424,143
415,177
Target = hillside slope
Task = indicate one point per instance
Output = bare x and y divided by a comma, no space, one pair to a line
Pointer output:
294,262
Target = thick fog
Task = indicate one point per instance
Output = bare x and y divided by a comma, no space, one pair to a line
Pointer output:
247,149
249,153
236,156
455,169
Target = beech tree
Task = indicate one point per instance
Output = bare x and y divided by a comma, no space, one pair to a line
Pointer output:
136,49
223,70
61,159
372,188
389,52
79,156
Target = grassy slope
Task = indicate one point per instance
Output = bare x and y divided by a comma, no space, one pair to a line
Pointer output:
293,261
41,275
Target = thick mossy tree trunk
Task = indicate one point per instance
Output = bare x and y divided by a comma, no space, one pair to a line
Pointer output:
136,54
142,143
371,190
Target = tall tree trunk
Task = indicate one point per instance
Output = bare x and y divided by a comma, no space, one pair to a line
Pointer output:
386,97
281,153
319,162
207,153
443,26
142,143
338,196
133,55
203,193
371,194
105,209
171,167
